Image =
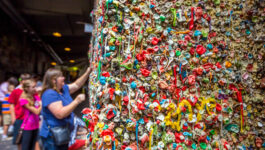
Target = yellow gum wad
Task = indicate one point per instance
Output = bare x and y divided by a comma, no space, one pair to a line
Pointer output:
173,114
209,104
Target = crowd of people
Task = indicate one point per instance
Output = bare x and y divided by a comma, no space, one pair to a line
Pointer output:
40,114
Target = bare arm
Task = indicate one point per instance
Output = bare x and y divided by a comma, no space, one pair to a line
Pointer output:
12,111
60,111
34,110
73,87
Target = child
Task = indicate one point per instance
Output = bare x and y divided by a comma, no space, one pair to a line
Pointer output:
6,111
32,107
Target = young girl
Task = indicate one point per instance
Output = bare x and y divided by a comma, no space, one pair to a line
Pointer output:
31,103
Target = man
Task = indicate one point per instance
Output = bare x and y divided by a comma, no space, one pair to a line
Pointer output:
17,114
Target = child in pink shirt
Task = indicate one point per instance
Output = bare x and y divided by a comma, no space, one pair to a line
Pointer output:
31,120
31,104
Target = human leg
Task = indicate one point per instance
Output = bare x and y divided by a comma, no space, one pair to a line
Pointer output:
48,143
34,138
17,126
27,138
6,123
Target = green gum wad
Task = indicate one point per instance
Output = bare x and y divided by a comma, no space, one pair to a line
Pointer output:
216,2
170,72
174,12
232,128
204,34
137,66
140,37
212,132
203,145
162,18
112,40
154,75
127,66
108,79
178,53
206,80
139,13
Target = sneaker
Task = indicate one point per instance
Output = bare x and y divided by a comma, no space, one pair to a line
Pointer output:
7,139
1,130
4,137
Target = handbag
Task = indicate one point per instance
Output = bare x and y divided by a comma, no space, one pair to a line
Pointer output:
60,134
19,136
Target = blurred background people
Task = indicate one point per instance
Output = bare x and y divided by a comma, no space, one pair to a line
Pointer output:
3,92
16,111
6,111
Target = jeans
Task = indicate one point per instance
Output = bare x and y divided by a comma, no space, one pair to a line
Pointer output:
29,138
48,144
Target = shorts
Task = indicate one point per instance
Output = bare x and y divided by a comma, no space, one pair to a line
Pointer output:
17,126
6,119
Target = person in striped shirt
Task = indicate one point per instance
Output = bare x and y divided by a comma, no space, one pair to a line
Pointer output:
6,111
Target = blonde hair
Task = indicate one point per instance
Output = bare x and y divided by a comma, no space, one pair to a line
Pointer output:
26,84
50,75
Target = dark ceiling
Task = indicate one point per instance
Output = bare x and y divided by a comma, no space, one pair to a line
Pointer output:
64,16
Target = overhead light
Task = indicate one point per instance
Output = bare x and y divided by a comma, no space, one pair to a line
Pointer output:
72,61
73,68
53,63
67,49
56,34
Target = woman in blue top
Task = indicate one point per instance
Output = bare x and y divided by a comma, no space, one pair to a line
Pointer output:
58,105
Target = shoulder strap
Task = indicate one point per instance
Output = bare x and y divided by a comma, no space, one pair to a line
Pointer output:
26,121
44,118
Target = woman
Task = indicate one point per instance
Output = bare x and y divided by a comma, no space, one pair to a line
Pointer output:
58,105
31,104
